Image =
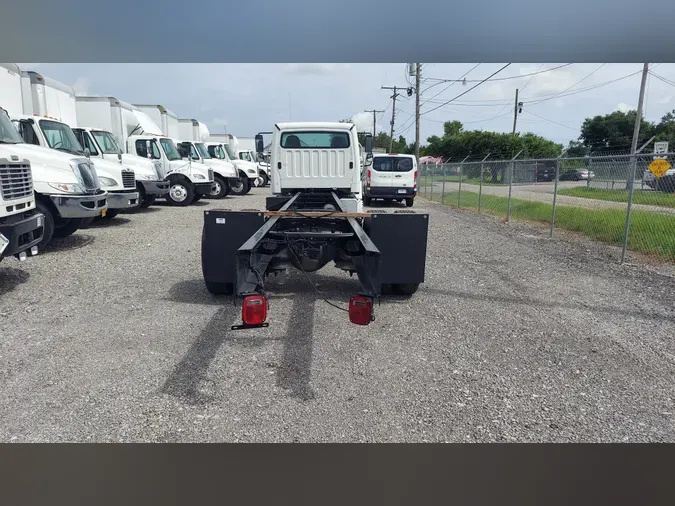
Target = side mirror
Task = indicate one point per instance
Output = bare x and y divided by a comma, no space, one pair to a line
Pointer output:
119,156
148,148
259,144
87,153
369,160
368,148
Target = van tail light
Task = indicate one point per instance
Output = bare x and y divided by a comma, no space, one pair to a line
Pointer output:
415,184
253,312
368,179
360,310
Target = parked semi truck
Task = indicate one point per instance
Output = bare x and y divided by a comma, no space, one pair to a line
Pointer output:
21,224
102,130
257,176
191,145
313,217
243,148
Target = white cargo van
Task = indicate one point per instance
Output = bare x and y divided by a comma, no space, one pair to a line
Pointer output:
390,177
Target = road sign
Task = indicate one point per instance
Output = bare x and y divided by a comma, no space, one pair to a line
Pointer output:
660,147
659,167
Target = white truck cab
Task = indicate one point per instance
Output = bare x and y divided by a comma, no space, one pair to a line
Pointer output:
21,224
248,155
224,173
391,177
188,181
247,174
102,145
317,156
117,180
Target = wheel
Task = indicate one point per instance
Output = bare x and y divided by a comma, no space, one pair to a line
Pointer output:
367,201
220,188
265,178
147,201
409,202
181,193
141,195
405,289
110,214
241,187
65,227
48,227
219,288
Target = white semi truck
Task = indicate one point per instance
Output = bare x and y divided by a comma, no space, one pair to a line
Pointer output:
244,150
191,145
67,189
21,224
102,130
253,175
188,181
47,121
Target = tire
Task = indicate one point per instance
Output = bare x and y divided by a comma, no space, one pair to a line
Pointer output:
405,289
265,178
65,227
219,288
367,201
220,188
409,202
197,197
147,201
181,193
48,227
110,214
242,188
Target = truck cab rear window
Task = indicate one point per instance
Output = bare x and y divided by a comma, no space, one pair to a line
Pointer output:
392,164
315,140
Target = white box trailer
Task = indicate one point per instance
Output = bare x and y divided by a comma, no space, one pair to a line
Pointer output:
48,97
188,130
12,96
164,118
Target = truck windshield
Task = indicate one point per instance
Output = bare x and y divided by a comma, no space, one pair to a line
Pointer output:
59,136
170,149
217,152
8,132
106,142
244,155
203,151
230,153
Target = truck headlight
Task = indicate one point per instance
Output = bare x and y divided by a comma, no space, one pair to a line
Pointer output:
199,176
107,181
147,177
67,187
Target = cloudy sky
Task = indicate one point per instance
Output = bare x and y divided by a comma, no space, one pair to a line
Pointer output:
248,98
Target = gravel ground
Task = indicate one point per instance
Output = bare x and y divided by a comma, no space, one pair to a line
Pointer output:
111,336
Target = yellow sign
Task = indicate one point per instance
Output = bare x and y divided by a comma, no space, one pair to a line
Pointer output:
103,213
659,167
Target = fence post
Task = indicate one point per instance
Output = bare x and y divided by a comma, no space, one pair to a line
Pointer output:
555,192
631,184
508,205
590,164
480,187
443,190
461,172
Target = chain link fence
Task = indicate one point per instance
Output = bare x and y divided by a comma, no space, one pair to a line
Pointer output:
588,195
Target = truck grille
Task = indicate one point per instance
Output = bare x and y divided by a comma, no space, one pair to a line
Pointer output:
128,179
16,181
210,174
89,177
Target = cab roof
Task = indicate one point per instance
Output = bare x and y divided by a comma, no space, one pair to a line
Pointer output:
315,125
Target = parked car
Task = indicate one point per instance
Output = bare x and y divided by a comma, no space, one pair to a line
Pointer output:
545,174
577,175
665,183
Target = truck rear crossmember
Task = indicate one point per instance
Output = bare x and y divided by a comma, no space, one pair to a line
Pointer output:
307,230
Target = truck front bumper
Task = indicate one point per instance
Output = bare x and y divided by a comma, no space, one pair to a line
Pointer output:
157,188
203,188
23,231
80,206
390,192
122,200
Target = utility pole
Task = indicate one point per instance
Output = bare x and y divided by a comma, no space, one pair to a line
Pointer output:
393,112
633,160
418,69
374,111
515,113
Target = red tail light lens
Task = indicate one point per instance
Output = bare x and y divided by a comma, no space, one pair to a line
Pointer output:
254,310
360,310
368,178
415,184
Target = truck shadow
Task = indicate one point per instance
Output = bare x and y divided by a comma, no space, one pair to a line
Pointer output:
117,221
141,210
75,241
293,371
10,278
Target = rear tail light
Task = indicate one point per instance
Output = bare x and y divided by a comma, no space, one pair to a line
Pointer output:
254,310
415,184
368,178
360,310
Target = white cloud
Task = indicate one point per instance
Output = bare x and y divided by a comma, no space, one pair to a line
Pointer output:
315,69
81,86
625,107
664,100
363,121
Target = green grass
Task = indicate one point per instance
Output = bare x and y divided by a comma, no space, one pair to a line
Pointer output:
651,233
648,197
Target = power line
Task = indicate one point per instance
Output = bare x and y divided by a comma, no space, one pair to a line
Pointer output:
661,78
467,91
502,78
452,81
550,120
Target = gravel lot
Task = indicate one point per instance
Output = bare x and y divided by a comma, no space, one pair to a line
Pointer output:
111,336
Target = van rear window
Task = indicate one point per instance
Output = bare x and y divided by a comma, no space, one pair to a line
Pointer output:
392,164
318,140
